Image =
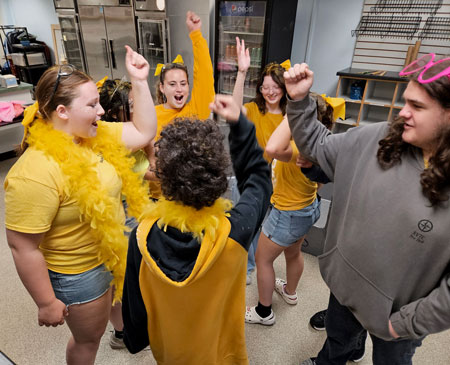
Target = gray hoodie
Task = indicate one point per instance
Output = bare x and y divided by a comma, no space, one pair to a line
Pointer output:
387,251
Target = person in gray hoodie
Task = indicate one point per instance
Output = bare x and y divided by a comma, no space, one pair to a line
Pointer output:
387,251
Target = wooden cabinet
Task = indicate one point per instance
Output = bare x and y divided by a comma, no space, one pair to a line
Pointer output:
381,96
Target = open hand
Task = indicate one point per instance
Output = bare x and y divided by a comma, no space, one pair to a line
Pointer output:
226,107
137,66
298,80
243,55
193,21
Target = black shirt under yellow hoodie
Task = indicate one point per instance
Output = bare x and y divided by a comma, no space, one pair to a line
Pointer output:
185,295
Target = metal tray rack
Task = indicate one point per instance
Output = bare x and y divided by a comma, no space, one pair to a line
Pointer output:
387,26
407,6
436,28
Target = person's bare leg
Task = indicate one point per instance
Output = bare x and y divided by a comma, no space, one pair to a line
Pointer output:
116,315
266,253
294,266
87,323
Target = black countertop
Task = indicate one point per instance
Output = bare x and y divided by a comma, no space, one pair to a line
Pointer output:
365,74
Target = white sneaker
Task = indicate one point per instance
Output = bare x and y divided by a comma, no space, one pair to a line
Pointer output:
116,343
251,316
288,298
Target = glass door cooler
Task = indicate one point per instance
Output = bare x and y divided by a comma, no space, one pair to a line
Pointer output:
267,26
246,20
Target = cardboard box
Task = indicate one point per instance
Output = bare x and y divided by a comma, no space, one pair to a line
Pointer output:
33,59
8,81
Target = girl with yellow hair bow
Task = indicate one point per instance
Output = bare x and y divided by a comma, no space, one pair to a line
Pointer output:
294,199
173,86
63,214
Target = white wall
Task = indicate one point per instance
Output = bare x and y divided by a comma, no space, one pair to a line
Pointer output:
36,15
330,45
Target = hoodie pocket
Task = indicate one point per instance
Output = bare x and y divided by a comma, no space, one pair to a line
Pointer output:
370,305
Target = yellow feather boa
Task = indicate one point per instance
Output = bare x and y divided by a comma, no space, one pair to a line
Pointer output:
81,182
188,219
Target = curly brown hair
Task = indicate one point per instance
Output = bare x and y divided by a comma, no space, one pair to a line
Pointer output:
191,162
275,71
324,111
434,179
114,100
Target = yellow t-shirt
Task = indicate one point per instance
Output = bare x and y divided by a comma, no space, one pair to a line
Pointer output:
202,95
291,189
141,164
36,202
265,124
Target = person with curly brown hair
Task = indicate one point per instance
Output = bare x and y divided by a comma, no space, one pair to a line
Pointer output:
386,256
184,289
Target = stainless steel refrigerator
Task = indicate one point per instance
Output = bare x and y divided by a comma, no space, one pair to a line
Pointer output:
153,36
106,27
267,26
70,32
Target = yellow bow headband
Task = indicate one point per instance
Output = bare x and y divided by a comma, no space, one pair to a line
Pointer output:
159,66
100,83
29,115
286,64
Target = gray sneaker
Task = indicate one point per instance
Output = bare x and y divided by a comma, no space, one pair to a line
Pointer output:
116,343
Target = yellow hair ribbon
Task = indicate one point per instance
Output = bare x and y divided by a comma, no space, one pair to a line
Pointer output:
178,59
100,83
29,115
286,64
159,66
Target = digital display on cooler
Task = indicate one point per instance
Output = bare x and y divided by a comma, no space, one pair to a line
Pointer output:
242,8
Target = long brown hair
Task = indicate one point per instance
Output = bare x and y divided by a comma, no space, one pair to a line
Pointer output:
435,179
275,71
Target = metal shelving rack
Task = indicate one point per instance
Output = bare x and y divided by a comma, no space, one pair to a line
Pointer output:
407,6
387,26
436,28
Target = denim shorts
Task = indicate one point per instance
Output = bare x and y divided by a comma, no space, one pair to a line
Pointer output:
285,227
81,288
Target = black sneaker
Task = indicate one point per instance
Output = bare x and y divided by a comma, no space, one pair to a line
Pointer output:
317,321
310,361
359,353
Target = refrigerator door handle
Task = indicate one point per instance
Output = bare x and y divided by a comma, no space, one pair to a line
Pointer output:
113,56
105,52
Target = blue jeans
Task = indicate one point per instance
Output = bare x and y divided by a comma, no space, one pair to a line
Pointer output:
343,332
81,288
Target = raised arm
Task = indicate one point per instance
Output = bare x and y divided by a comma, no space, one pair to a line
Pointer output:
313,139
279,144
243,60
203,84
252,172
142,129
33,272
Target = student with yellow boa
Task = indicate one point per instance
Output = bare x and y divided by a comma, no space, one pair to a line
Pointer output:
63,214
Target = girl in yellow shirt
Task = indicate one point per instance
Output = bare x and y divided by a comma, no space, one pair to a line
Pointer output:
173,88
